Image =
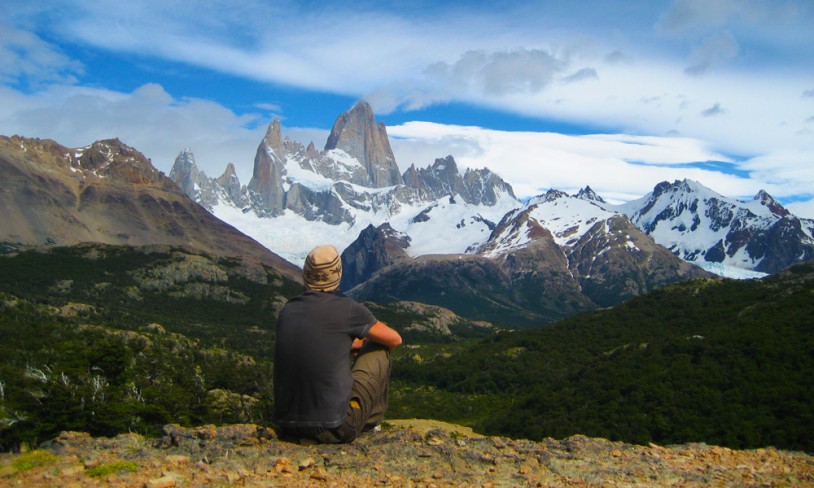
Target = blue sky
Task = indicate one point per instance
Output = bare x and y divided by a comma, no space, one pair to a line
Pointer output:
548,94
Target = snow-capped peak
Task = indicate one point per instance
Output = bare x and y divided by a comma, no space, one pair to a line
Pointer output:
565,219
702,226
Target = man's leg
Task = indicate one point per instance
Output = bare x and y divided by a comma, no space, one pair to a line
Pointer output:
371,378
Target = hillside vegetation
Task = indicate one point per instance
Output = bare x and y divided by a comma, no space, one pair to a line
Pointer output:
110,339
106,340
723,362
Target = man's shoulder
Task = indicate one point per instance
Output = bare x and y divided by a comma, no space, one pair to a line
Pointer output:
318,296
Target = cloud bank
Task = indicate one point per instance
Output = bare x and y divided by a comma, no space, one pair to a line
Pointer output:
672,85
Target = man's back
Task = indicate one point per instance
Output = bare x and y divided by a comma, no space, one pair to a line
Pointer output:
312,374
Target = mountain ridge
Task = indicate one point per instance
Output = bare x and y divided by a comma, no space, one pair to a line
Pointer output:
109,193
334,187
525,274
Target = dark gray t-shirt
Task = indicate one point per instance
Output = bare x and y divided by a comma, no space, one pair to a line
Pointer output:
312,378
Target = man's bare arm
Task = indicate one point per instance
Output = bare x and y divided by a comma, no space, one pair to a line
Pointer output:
381,333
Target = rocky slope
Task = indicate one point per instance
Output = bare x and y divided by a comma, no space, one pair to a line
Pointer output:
556,256
403,453
107,193
376,248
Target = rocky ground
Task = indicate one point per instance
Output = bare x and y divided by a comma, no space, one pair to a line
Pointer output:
403,453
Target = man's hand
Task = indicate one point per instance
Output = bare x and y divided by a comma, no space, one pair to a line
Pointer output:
357,344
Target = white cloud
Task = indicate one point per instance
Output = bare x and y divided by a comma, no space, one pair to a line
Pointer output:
592,65
582,74
775,18
499,73
687,15
27,59
802,209
148,119
713,111
787,172
521,60
617,166
715,48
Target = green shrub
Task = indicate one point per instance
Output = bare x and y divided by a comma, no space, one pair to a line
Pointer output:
112,468
34,459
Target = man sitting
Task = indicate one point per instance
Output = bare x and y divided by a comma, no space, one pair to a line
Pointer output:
320,391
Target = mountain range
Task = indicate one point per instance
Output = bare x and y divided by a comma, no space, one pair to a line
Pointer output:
353,183
434,234
464,241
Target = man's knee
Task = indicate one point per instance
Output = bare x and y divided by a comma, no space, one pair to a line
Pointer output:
374,360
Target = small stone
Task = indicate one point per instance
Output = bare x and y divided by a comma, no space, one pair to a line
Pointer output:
616,453
283,465
266,433
163,482
437,476
232,476
319,474
206,432
177,459
72,470
306,463
487,458
71,459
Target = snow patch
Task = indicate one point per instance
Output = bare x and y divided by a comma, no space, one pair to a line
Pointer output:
727,271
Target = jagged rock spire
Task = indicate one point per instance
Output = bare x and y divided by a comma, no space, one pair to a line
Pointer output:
274,138
184,171
476,186
269,166
357,133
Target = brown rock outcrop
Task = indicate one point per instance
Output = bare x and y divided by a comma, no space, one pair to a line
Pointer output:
403,453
